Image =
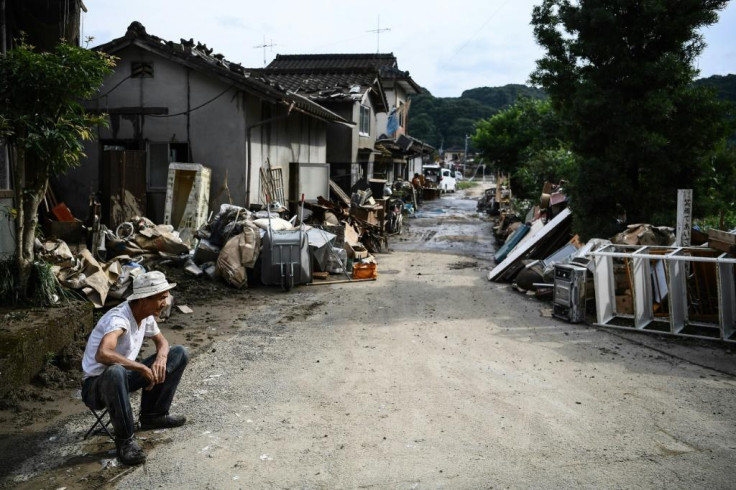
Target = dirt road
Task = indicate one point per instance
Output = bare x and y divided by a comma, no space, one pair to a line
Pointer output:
432,377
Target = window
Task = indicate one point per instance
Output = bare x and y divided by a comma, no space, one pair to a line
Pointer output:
365,120
141,69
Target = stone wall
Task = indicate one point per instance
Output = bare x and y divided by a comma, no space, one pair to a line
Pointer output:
29,337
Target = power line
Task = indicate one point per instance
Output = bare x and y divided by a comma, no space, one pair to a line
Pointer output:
476,32
194,108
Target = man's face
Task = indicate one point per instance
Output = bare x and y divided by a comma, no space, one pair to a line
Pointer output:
154,304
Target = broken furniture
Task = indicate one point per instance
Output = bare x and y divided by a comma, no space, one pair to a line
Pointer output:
686,291
537,245
187,197
723,241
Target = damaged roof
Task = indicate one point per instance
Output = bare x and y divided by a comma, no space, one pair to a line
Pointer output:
383,64
403,145
199,57
326,77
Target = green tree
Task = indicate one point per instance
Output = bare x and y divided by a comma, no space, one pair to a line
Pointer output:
44,124
524,141
620,75
717,189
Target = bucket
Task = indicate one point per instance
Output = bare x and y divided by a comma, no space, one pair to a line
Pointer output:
364,271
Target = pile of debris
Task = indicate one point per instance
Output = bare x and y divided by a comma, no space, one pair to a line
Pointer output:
238,245
639,278
534,244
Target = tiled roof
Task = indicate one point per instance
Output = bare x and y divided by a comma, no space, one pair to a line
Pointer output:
326,67
199,56
325,86
332,62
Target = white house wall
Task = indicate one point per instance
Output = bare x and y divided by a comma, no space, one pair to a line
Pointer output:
216,134
295,138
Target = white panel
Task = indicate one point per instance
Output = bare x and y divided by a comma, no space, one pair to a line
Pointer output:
642,273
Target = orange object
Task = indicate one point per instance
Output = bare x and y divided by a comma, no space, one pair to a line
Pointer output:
62,213
364,271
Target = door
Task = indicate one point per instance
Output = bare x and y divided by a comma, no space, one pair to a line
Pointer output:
160,155
123,186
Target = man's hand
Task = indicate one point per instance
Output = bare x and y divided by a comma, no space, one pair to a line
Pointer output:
148,373
159,369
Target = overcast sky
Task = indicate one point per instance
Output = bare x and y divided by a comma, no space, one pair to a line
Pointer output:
448,47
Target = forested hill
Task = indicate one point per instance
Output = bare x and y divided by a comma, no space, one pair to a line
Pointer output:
724,85
444,121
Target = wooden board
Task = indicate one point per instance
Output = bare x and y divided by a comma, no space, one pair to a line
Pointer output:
722,236
339,192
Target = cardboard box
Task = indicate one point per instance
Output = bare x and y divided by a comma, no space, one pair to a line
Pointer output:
365,214
69,231
624,305
356,252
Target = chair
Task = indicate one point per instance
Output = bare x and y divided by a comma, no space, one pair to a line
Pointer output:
100,420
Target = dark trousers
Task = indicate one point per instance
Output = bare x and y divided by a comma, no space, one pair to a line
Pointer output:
110,390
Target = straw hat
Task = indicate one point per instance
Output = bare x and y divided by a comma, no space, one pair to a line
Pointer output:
149,284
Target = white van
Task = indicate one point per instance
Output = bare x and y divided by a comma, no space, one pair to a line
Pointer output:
447,181
442,177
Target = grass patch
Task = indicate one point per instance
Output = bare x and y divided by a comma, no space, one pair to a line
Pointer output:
464,184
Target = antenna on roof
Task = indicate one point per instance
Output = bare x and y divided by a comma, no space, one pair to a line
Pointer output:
264,46
378,32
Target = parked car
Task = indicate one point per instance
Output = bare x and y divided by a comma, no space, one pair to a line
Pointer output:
459,175
447,181
443,178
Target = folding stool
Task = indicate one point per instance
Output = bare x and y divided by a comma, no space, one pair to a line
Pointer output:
99,420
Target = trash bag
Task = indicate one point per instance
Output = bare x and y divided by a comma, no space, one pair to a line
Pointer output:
239,252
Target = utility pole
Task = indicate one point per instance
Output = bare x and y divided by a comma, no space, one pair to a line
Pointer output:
378,32
465,155
264,46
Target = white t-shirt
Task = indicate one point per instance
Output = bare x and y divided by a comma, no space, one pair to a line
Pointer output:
129,344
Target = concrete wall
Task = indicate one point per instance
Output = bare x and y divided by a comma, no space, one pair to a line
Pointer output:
295,138
25,344
216,132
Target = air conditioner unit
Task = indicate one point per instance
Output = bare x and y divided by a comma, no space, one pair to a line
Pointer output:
569,292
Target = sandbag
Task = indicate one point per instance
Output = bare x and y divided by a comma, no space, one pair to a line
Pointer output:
277,224
239,252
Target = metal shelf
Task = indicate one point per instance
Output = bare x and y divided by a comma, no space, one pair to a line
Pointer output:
667,273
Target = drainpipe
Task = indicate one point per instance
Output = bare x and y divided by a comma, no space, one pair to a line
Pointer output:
248,163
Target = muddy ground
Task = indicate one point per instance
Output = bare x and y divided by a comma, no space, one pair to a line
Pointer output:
430,377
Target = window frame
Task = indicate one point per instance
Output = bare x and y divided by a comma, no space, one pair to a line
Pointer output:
364,127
